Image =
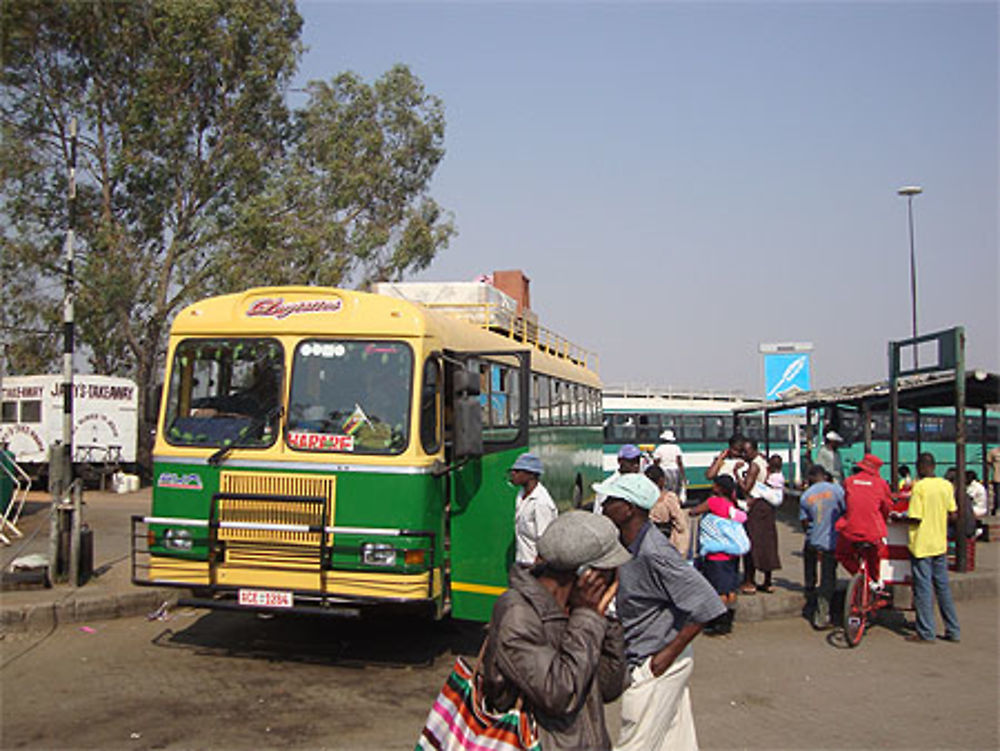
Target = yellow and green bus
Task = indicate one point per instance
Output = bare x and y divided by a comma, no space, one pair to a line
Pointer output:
340,452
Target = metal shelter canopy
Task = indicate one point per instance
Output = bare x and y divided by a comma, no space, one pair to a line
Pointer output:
978,390
915,392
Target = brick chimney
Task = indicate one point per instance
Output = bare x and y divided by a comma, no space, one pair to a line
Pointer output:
515,284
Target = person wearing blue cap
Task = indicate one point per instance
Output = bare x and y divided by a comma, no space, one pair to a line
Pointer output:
629,460
663,604
534,508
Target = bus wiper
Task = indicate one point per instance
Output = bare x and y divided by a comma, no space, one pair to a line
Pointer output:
255,422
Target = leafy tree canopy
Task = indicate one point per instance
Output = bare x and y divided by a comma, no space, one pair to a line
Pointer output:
193,175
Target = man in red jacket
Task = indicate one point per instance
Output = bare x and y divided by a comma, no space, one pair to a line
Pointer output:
868,505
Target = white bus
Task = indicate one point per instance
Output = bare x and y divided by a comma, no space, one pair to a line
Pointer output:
702,423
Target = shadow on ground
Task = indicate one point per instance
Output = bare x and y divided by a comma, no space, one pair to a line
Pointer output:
388,642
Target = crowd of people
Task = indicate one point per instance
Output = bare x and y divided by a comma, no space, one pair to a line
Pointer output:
846,519
606,604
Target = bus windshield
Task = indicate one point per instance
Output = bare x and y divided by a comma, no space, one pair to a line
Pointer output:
350,396
224,392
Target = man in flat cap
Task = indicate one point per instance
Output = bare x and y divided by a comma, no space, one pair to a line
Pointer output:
549,640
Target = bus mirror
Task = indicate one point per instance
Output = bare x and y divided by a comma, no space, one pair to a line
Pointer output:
465,382
468,433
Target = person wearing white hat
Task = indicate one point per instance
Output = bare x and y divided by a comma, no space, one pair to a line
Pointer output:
534,508
829,458
663,604
670,458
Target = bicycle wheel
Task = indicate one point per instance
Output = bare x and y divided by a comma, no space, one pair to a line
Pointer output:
856,605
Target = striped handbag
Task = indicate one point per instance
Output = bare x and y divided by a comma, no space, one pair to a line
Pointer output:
459,719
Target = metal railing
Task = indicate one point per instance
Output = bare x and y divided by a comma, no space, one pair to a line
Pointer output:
519,328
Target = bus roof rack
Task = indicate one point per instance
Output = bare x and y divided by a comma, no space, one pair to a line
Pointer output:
483,305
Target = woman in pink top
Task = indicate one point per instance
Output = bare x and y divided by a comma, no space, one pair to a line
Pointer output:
722,569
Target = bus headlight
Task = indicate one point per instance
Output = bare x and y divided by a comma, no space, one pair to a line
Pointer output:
178,539
378,554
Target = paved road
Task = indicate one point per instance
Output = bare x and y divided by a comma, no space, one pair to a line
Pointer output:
230,680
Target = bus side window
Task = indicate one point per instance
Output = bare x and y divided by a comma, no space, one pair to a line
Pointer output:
430,406
623,428
484,392
716,429
535,404
692,428
512,386
555,401
544,398
649,428
500,396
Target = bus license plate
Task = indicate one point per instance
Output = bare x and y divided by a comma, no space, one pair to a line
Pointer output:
262,598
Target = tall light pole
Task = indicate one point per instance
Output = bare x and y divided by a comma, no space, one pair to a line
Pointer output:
909,191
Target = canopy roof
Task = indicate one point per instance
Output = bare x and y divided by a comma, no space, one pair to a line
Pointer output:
982,390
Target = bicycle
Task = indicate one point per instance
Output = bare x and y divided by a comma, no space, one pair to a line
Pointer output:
861,601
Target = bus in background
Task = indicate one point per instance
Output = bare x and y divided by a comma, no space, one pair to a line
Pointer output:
702,423
936,436
340,452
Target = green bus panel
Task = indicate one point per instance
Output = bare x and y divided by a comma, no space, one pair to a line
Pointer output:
363,499
483,503
570,455
482,533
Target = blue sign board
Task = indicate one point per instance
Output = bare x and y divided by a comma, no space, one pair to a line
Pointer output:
786,373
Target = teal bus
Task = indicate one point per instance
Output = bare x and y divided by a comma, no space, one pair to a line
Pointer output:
340,452
934,434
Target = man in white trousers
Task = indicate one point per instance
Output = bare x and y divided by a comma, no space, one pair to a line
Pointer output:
662,603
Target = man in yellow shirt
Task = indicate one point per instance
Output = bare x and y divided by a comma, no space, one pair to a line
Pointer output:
932,504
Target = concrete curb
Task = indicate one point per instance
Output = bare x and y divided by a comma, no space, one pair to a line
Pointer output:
789,604
80,608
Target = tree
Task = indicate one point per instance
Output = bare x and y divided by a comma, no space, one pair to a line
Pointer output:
194,177
348,204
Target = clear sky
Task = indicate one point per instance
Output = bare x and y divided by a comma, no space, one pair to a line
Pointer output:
682,181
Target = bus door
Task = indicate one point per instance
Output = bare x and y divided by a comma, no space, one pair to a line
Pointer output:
486,428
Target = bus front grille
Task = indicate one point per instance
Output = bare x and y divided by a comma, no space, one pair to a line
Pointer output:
291,500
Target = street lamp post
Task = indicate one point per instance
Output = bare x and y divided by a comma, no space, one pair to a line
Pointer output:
909,191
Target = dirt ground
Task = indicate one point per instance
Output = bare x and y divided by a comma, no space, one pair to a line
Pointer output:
234,681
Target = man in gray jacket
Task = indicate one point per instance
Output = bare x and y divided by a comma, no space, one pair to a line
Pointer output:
549,641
